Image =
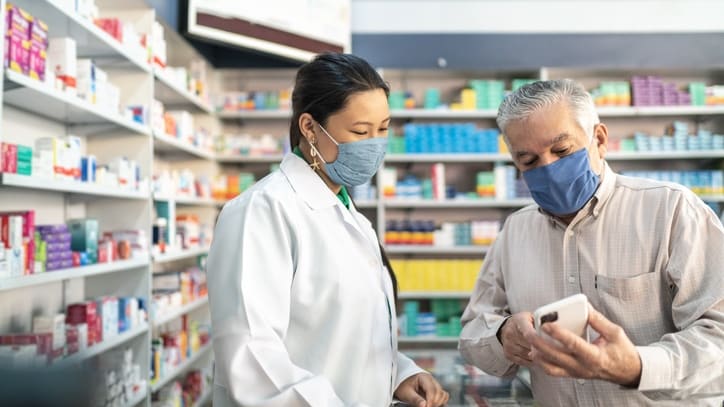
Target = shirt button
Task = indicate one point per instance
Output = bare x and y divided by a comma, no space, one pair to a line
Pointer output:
571,279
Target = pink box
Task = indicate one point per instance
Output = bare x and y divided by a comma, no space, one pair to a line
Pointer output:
9,158
17,55
38,49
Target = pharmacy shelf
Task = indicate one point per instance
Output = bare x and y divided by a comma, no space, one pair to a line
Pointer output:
136,400
104,346
255,114
647,111
712,198
245,159
70,187
426,339
172,95
446,158
366,204
406,295
189,200
443,114
71,273
183,310
180,255
422,249
91,41
164,143
181,369
457,203
204,399
39,98
663,155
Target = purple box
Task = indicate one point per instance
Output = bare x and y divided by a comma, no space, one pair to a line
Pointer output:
59,256
53,265
46,229
38,49
56,237
17,46
66,264
57,247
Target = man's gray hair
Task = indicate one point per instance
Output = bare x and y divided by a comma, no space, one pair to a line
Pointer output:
530,98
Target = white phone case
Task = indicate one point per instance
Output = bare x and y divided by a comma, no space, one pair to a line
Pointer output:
570,313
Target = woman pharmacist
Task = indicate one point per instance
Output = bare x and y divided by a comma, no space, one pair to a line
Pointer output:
302,306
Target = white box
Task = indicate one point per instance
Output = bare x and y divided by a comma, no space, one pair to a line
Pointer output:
184,124
63,62
4,270
54,325
82,336
74,156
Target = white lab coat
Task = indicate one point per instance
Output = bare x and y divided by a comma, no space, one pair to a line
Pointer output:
302,308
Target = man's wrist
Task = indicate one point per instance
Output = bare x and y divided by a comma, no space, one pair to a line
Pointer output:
499,334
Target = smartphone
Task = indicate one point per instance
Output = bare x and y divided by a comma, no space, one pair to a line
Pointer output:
571,313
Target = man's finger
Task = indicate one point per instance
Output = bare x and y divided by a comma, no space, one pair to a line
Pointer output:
602,325
409,395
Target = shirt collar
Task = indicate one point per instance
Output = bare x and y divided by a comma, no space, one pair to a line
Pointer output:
306,183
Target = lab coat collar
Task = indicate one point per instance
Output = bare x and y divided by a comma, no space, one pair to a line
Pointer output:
306,183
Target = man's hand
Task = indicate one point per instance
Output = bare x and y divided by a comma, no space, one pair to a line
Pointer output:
611,357
422,390
513,337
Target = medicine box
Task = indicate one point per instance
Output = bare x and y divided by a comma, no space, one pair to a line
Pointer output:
62,61
17,45
9,158
84,237
54,325
38,49
85,313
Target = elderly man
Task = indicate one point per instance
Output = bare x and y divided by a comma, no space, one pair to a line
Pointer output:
648,255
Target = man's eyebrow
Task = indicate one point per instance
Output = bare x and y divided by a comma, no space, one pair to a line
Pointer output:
556,139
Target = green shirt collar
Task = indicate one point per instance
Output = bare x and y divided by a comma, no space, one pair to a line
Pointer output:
342,195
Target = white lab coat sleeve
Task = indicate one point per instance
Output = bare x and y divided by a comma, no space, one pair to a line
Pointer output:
484,315
405,368
250,271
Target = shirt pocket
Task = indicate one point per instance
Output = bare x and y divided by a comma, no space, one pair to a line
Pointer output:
640,304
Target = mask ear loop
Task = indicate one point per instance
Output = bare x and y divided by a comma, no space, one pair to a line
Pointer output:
316,153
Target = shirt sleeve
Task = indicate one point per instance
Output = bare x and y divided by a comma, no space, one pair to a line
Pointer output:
486,312
405,368
250,270
690,363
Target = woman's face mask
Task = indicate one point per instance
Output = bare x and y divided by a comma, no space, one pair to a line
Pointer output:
356,162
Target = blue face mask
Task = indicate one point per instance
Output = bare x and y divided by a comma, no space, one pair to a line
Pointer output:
356,162
563,187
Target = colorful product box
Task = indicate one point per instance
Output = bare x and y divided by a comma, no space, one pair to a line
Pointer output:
88,169
17,45
54,325
62,61
16,235
85,313
107,308
9,158
84,237
38,49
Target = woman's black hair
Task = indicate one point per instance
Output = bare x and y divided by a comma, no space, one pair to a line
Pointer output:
323,86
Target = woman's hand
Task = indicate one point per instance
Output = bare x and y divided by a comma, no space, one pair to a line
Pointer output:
422,390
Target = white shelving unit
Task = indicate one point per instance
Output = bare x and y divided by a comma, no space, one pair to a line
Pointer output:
406,295
177,313
185,366
424,249
25,93
456,203
403,340
104,346
138,399
180,255
164,143
70,187
256,114
270,159
443,114
610,156
171,93
68,274
189,200
446,158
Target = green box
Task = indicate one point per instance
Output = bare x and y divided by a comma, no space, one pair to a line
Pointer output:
25,153
84,236
24,168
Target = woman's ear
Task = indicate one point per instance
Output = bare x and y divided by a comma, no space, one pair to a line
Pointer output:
306,126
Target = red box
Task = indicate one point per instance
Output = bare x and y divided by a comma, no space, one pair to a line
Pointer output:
72,339
112,26
9,158
45,346
38,37
28,236
85,313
